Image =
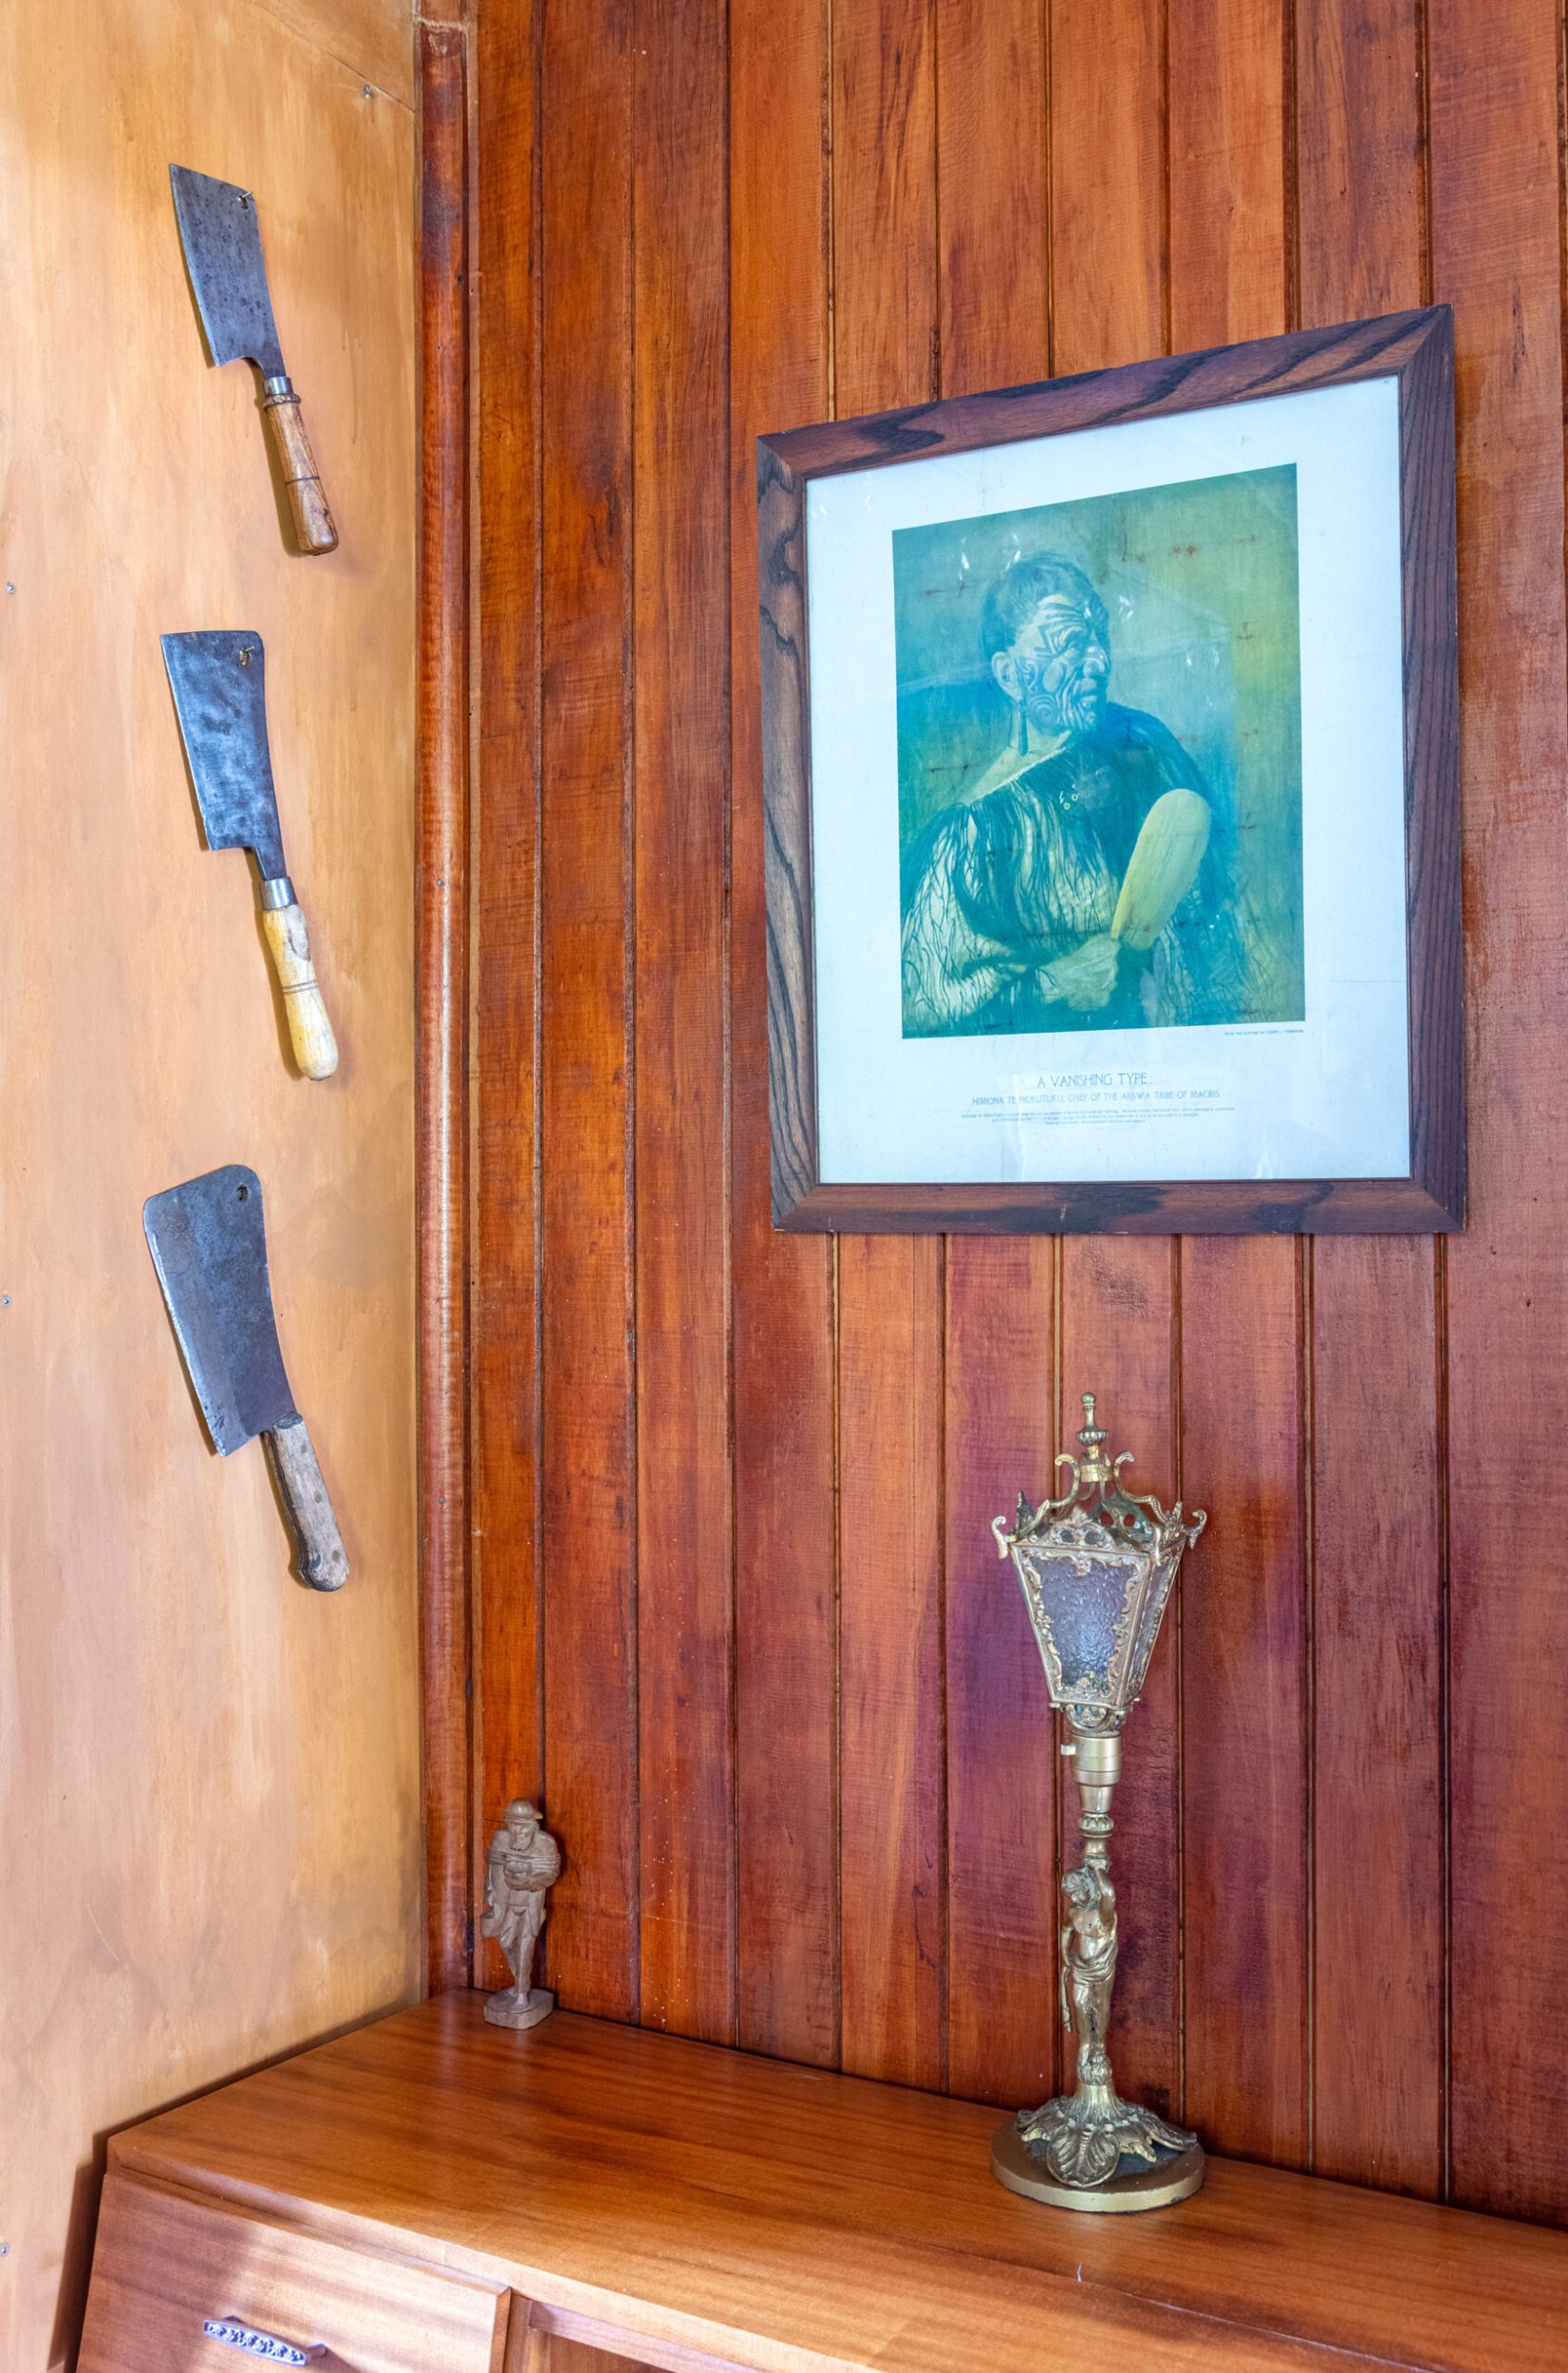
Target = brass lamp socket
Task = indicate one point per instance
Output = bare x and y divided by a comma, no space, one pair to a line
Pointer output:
1096,1762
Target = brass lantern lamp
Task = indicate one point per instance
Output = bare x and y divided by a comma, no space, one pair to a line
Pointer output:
1097,1567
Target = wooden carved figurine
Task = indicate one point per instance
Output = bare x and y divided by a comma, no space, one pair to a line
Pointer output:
524,1861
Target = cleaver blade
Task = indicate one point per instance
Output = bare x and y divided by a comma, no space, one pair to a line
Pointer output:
221,234
219,682
220,231
208,1240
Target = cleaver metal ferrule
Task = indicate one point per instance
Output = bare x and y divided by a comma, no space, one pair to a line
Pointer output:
219,682
208,1240
221,235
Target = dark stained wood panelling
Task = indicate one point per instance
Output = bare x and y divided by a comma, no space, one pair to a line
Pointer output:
1003,2027
590,1456
892,1780
681,561
1496,192
442,991
781,1289
1243,1625
892,1846
504,1285
1109,272
793,1727
1003,2024
1373,1345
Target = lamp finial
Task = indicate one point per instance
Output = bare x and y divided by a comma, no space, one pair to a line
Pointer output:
1093,1469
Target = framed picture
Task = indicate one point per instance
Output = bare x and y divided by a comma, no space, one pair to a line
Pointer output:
1110,734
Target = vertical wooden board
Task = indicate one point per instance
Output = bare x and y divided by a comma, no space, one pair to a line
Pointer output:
589,1455
504,1282
682,639
1374,1350
1246,1841
442,949
1378,1806
885,205
1002,1883
1496,184
1230,233
786,1780
993,225
889,1288
1117,1321
1002,1751
891,1658
1358,143
1108,152
1243,1615
1108,267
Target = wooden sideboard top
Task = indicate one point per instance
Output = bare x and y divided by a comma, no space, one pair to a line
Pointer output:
776,2218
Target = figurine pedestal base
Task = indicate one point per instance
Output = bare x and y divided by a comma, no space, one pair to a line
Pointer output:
1141,2187
515,2010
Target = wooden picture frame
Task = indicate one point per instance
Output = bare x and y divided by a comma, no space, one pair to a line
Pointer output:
1414,351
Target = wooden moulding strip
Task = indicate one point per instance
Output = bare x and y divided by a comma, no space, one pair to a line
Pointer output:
442,975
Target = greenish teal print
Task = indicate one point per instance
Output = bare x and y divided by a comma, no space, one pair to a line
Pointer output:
1099,749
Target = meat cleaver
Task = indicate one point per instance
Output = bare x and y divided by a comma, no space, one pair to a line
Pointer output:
219,683
209,1246
221,234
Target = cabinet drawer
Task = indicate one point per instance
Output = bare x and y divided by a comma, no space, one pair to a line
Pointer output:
166,2263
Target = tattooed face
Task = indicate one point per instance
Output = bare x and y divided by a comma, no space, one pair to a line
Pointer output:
1057,669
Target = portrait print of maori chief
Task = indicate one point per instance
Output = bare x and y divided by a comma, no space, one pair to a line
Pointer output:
1084,881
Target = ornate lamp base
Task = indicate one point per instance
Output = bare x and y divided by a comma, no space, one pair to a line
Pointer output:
1119,2195
512,2009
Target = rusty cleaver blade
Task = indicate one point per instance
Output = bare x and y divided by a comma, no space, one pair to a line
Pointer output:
218,679
221,234
208,1240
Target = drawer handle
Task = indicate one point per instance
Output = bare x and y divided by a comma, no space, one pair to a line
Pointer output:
259,2344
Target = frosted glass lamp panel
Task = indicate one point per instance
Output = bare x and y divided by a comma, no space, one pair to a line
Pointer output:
1148,1626
1083,1601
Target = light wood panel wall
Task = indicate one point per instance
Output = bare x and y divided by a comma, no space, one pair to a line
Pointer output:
739,1611
210,1852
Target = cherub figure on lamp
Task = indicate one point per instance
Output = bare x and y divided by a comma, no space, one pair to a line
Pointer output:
1097,1567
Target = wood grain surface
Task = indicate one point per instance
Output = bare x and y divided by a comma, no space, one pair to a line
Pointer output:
783,2218
441,961
212,1846
1242,1638
1328,1806
781,1292
587,1415
167,2264
504,1287
893,1843
1372,1346
1496,244
999,1314
680,625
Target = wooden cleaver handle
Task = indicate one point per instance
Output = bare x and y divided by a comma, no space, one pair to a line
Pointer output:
313,527
322,1560
315,1048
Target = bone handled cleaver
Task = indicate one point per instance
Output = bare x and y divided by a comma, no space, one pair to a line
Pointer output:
209,1246
219,683
221,234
